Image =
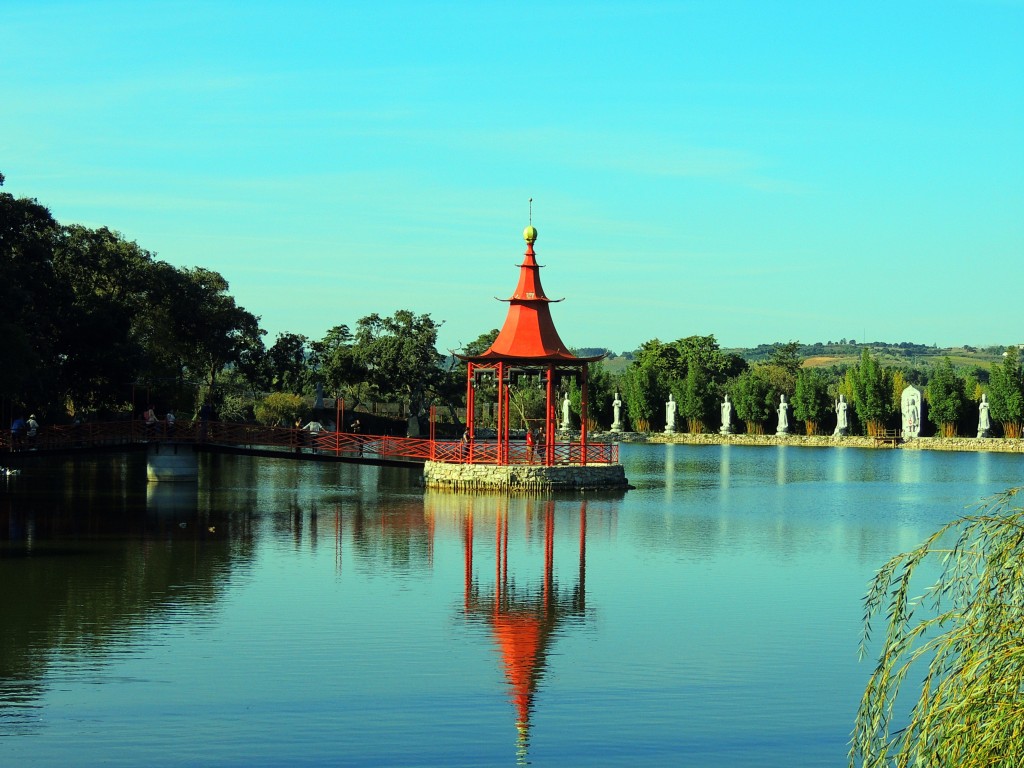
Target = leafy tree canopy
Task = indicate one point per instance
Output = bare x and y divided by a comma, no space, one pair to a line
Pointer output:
811,400
947,397
481,343
400,357
1006,392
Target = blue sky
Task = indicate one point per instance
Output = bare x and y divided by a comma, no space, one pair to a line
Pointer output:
760,171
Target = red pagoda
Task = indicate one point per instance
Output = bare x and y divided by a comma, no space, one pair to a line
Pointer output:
528,345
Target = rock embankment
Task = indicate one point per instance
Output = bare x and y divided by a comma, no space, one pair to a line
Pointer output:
523,477
995,444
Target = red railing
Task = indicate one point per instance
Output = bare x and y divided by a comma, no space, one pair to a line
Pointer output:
254,436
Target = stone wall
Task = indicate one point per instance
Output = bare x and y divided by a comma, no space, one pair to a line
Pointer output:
524,477
995,444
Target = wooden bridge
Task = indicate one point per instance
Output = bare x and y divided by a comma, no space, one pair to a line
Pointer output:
285,442
889,437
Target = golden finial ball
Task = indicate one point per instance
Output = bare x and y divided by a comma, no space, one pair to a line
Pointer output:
530,234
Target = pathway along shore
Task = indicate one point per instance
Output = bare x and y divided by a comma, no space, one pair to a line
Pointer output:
993,444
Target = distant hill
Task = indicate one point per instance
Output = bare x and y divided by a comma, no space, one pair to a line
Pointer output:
846,352
592,351
894,354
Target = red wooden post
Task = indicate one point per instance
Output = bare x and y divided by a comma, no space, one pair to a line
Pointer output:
433,443
549,410
470,406
502,394
583,416
337,425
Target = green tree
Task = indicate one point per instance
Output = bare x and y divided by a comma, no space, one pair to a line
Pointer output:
1006,393
660,369
102,340
211,330
30,295
697,398
601,390
947,398
279,409
811,400
335,360
452,390
600,394
871,395
962,638
752,399
481,343
787,357
527,397
641,392
401,360
899,383
88,314
288,363
704,351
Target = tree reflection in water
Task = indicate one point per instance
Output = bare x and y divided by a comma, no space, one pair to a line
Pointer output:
83,568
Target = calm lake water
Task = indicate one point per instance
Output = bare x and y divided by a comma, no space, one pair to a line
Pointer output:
288,614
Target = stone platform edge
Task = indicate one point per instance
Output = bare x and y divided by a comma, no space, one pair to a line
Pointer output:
524,478
994,444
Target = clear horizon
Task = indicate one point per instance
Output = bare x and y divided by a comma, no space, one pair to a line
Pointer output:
762,173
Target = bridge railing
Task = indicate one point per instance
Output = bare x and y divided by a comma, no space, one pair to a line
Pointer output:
484,452
255,436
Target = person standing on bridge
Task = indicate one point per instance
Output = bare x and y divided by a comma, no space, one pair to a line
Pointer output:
313,427
355,429
17,432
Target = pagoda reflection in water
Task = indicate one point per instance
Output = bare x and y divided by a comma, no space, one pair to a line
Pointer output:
525,609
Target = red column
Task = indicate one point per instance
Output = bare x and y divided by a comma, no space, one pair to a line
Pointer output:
339,415
433,433
500,419
470,409
583,415
549,431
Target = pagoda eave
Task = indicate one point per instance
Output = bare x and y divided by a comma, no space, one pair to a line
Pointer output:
556,358
531,300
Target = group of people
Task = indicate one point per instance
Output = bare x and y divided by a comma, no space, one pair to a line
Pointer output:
314,427
24,431
152,421
534,440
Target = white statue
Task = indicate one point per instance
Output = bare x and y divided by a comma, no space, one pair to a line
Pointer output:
911,412
616,414
913,418
726,417
842,417
566,421
670,415
984,420
783,416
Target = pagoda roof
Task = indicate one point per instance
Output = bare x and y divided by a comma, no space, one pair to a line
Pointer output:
529,334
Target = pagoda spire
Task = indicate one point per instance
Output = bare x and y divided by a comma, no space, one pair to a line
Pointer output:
529,331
